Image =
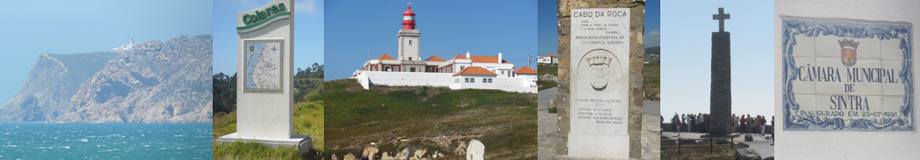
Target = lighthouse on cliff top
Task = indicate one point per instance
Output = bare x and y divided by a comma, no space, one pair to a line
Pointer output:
409,38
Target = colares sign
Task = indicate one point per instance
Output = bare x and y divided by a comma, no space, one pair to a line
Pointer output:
266,14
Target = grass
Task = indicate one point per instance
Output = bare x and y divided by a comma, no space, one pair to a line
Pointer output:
651,84
550,69
251,150
308,120
545,84
386,114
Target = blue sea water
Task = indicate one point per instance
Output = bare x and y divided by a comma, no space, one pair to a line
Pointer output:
30,140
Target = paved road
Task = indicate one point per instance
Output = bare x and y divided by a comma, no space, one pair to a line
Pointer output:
651,130
544,97
546,125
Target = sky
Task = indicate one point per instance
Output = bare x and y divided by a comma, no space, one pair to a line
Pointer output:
549,37
308,32
686,61
360,31
31,28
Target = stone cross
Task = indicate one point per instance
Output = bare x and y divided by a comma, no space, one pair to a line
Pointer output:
721,17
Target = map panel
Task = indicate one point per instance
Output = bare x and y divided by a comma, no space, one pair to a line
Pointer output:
263,65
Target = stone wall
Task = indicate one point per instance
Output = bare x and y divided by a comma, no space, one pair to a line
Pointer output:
637,28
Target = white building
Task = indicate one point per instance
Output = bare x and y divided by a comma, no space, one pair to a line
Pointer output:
548,59
127,47
458,72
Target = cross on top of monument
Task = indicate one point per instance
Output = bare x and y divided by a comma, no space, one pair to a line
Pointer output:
721,17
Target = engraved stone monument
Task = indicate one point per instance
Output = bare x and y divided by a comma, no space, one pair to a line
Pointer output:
720,94
600,94
264,89
601,115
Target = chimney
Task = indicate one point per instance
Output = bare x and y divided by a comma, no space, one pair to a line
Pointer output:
499,57
467,54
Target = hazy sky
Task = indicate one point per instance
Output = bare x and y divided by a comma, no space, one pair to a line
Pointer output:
549,36
448,28
308,32
686,55
31,28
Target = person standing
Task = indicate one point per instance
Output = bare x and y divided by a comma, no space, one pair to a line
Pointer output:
683,122
675,122
743,130
750,122
763,125
734,123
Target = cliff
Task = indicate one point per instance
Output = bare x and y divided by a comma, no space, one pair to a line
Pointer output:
157,82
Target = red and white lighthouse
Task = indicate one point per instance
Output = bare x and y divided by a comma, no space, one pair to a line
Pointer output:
408,19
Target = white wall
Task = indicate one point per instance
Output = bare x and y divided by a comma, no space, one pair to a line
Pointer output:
844,145
515,84
407,79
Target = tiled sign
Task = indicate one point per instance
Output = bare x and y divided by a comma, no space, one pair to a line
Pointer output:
847,76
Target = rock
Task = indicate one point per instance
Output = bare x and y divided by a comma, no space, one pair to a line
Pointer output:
161,82
369,152
748,137
334,157
746,154
461,149
386,156
742,145
404,154
349,156
54,79
419,154
475,150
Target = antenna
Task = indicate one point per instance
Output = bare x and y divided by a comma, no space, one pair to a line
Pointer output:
528,61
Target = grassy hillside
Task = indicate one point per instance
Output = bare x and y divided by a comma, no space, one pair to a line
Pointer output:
410,117
308,120
652,81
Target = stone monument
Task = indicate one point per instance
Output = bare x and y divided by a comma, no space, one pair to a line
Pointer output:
600,80
476,150
264,90
720,95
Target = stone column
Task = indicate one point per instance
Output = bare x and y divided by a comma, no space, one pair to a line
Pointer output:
720,95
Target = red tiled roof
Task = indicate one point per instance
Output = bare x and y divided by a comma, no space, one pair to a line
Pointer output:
550,55
459,56
525,70
435,58
475,71
385,57
484,59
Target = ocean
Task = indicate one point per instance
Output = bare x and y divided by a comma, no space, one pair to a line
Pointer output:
31,140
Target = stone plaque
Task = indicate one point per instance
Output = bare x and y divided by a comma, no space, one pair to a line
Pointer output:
263,64
845,76
599,83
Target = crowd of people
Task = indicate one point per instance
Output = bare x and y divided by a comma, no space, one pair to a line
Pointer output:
700,123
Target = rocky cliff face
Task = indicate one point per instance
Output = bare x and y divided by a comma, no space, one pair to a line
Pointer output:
157,82
52,81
